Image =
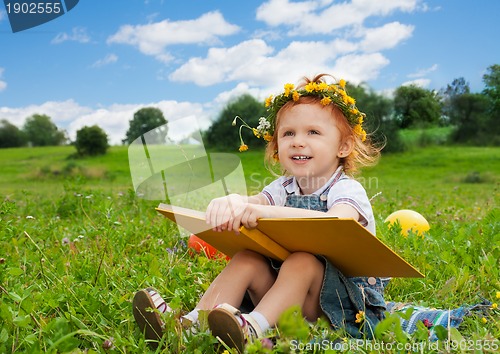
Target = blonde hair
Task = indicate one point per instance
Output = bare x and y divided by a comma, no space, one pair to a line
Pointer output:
364,153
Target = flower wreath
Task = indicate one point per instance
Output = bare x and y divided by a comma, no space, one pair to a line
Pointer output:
329,93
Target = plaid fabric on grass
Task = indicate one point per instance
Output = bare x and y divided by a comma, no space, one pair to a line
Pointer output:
434,317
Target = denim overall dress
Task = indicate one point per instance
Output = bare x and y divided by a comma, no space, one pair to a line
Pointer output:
343,297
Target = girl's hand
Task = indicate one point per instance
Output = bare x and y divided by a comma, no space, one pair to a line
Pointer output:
232,211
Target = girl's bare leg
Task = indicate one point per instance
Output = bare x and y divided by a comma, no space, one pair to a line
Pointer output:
299,282
247,270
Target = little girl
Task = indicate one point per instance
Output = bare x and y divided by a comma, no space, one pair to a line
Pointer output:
315,135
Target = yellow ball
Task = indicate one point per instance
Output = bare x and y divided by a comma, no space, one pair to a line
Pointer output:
409,220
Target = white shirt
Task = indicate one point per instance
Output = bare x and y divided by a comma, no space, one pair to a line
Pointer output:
343,190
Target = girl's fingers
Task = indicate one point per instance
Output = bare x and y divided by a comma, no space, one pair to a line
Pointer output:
213,216
252,221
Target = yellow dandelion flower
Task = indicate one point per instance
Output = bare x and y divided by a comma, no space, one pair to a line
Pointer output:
269,101
342,83
484,320
267,137
310,87
295,96
243,147
363,138
350,100
494,306
325,101
498,294
288,88
322,86
360,316
358,130
256,133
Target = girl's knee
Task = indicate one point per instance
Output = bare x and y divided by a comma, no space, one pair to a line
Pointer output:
303,261
249,258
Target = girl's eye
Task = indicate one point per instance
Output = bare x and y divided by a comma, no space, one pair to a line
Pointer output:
313,132
288,133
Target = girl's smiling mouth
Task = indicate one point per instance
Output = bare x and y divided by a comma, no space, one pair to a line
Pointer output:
301,157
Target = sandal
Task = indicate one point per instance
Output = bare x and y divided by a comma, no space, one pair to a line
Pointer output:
147,306
232,327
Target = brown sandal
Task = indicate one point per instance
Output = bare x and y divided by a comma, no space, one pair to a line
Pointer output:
147,306
224,324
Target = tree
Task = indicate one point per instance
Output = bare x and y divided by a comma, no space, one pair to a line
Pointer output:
415,106
469,116
91,141
379,123
492,90
457,88
222,135
145,120
10,135
40,131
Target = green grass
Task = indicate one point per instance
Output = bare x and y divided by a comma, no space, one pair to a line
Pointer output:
76,244
45,168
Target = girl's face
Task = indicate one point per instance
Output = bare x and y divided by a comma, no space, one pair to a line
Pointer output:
310,145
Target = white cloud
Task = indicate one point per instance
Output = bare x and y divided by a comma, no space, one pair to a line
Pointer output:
313,16
385,37
78,34
423,72
222,63
423,83
242,88
3,84
61,112
283,12
354,54
257,64
153,39
108,59
360,67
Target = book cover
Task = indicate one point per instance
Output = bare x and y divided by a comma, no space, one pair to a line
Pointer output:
344,242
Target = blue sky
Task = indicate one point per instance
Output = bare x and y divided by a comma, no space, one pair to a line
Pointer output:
104,60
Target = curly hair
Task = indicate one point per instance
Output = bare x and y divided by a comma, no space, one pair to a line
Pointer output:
364,153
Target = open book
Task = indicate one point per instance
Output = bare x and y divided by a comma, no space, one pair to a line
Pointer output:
344,242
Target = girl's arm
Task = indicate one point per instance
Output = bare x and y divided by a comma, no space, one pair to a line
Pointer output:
229,213
338,210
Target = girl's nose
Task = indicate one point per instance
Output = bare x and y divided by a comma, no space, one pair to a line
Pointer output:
298,141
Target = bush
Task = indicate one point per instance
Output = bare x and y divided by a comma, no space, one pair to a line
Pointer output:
10,135
91,141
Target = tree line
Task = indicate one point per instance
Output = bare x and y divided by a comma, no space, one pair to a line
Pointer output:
473,117
39,130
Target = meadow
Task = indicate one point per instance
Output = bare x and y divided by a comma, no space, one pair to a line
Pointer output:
76,243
